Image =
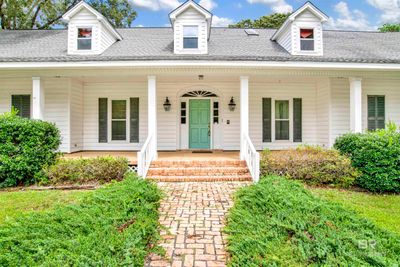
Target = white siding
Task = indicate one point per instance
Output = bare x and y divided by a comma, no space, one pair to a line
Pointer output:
340,109
191,17
10,87
390,88
112,90
285,40
76,115
323,105
283,91
57,107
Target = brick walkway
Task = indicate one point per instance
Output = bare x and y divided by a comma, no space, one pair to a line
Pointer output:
193,214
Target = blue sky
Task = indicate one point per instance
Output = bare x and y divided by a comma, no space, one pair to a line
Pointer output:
344,14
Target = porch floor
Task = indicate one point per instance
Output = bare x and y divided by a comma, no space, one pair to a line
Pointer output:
162,156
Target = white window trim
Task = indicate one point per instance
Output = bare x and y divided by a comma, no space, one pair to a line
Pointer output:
273,137
300,39
110,120
198,38
91,38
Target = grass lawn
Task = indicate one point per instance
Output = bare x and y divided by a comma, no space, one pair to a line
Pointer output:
278,222
14,204
384,210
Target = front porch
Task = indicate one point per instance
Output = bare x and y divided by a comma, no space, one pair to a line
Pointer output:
162,156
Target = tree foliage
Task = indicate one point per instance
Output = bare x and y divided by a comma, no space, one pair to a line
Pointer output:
271,21
390,28
45,14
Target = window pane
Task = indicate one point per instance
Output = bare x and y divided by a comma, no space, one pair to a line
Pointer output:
84,44
118,109
307,33
191,31
282,110
281,130
190,42
307,45
84,33
119,130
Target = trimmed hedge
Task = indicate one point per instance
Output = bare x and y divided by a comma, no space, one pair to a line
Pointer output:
313,165
82,171
279,223
26,146
377,156
114,226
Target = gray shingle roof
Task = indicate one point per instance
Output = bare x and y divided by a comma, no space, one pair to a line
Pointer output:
225,44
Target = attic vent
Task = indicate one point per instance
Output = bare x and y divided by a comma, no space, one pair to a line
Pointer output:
251,32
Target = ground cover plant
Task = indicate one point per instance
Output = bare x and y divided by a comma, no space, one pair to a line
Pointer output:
311,164
279,223
26,146
17,203
383,210
83,171
114,226
377,155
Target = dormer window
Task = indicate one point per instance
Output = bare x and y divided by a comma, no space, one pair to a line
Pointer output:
190,37
307,39
84,38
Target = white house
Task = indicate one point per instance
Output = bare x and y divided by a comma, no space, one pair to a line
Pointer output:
193,86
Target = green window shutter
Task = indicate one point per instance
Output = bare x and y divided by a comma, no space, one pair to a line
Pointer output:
267,116
23,104
134,120
297,120
103,120
376,112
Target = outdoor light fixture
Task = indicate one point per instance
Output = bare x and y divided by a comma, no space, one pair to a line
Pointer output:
167,105
201,77
232,105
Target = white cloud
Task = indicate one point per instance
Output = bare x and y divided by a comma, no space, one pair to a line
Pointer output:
390,10
221,22
349,19
208,4
277,6
156,5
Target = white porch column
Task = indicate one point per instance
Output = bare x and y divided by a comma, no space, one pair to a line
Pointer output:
355,105
152,109
244,111
37,99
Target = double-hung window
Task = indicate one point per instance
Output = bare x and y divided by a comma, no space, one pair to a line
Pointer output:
282,120
118,120
84,38
190,37
22,104
307,40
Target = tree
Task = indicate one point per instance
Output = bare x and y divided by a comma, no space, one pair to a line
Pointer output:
45,14
271,21
390,28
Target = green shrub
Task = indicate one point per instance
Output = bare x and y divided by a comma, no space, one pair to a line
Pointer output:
279,223
80,171
114,226
25,147
313,165
377,156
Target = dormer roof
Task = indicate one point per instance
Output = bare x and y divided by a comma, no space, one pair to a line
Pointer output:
191,4
306,7
82,5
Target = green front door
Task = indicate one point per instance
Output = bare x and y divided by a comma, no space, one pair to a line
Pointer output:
199,124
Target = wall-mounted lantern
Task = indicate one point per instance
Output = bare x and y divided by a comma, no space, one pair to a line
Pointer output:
167,104
232,105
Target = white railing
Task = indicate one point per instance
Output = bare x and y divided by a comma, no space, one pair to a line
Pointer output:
146,156
252,158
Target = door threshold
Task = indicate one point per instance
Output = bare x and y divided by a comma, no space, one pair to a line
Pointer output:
200,151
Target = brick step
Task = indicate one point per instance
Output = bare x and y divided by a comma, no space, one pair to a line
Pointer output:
198,171
232,178
204,163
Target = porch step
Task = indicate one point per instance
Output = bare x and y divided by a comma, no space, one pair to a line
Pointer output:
199,171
